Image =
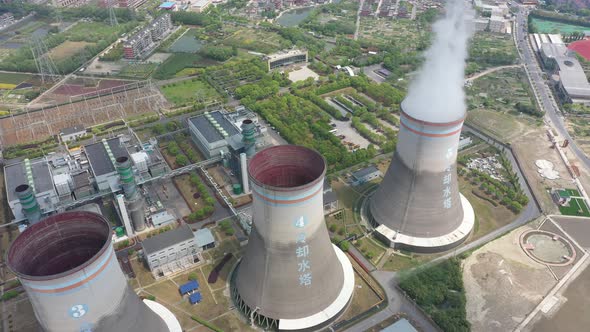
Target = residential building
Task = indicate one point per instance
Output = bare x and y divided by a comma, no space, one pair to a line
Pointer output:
143,42
6,19
171,251
133,4
69,3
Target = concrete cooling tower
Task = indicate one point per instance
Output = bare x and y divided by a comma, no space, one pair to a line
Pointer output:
291,277
418,204
67,265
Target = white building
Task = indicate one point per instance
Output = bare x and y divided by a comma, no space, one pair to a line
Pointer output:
171,251
200,6
72,133
568,75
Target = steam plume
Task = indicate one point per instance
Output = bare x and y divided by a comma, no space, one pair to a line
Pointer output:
436,94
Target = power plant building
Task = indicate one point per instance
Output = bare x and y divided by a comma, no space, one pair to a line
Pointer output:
211,132
291,276
171,251
36,175
65,263
102,158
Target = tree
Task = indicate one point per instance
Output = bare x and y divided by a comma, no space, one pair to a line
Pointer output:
181,160
192,276
173,148
344,245
158,129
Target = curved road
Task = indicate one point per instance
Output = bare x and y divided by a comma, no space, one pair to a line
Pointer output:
542,92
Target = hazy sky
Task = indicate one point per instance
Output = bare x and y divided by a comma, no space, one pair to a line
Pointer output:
436,93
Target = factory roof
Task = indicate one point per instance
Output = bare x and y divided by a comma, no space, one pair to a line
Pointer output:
100,161
166,239
204,237
402,325
73,130
81,180
285,54
571,73
207,129
364,172
39,175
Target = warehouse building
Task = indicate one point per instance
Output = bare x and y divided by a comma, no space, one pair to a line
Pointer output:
365,175
72,133
568,76
171,251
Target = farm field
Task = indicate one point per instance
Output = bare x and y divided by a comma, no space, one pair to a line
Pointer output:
14,78
193,90
138,70
490,50
544,26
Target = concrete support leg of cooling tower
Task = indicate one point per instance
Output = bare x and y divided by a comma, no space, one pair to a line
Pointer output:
433,244
334,308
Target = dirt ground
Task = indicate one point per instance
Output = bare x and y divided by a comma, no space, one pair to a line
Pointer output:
502,284
536,146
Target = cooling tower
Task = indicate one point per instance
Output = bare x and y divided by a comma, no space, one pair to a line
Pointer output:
418,203
67,265
28,202
135,203
291,276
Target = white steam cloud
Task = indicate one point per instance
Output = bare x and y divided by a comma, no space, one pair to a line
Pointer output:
436,94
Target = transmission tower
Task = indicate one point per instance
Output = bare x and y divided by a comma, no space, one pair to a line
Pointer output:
112,16
45,65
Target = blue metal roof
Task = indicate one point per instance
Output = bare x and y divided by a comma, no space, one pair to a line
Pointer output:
168,4
195,298
189,287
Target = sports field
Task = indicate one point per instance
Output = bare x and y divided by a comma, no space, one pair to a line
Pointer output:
577,207
556,27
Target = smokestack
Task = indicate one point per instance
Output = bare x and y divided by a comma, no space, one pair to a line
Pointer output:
419,198
67,265
135,203
291,276
249,137
28,202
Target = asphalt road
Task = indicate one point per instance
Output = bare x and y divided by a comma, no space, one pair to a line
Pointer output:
552,113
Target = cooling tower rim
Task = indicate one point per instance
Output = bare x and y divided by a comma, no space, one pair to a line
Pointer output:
22,188
61,218
122,159
431,123
277,149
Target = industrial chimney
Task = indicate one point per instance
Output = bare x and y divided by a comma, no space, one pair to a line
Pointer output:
134,199
28,202
249,137
291,276
67,265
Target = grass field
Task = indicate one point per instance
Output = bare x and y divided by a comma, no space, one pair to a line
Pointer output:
14,78
256,40
502,126
556,27
370,248
138,70
188,91
67,49
92,31
577,207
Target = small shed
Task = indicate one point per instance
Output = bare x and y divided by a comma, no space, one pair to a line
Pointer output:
190,286
204,239
195,298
